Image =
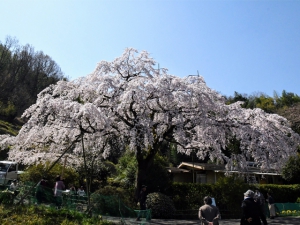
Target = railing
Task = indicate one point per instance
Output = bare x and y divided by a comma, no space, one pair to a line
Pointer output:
287,209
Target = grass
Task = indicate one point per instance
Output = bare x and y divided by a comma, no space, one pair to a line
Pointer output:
9,128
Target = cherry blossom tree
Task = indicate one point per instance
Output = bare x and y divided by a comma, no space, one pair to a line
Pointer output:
131,101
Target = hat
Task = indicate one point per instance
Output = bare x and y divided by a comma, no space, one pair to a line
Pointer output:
249,194
144,186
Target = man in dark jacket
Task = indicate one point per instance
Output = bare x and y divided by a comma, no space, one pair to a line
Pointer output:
252,213
142,200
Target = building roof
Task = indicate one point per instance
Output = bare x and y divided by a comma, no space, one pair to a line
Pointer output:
176,170
201,166
188,166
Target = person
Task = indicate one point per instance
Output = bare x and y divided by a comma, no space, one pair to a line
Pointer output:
142,200
260,199
72,190
252,213
81,192
13,186
271,205
40,192
58,188
208,213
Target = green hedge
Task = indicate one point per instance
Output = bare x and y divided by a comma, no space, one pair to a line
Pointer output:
228,193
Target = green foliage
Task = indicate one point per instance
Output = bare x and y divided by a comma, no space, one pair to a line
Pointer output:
229,191
287,99
6,197
38,215
97,172
105,205
232,147
173,154
291,170
112,205
286,105
281,193
126,169
161,205
9,128
237,97
157,176
124,194
35,173
24,73
8,110
189,195
266,103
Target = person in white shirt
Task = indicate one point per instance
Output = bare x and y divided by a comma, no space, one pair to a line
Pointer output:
13,186
81,192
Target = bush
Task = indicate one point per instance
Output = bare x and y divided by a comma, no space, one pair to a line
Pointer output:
188,195
113,201
19,215
228,193
34,173
157,179
126,195
162,206
7,197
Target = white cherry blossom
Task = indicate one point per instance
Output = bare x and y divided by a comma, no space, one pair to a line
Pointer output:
129,99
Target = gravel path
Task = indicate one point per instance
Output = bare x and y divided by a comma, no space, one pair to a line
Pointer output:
276,221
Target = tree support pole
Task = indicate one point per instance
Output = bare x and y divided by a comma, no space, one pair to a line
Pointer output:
50,168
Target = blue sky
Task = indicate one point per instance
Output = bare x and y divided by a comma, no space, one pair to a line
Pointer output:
243,46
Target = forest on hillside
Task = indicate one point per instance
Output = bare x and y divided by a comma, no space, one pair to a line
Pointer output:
287,105
24,73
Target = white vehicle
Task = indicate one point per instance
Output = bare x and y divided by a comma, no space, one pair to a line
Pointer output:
8,172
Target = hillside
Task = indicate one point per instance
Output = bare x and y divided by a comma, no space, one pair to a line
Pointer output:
24,73
10,128
293,115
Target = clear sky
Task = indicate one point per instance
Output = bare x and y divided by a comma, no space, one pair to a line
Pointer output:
243,46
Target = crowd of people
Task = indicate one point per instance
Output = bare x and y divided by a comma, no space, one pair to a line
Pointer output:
46,193
253,205
253,209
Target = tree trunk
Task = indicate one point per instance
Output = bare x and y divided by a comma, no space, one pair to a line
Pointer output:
144,163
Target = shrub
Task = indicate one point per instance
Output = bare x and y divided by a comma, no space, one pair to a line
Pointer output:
162,206
34,173
188,195
157,179
7,197
126,195
113,201
38,215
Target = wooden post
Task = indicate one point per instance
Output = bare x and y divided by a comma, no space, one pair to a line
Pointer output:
63,168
